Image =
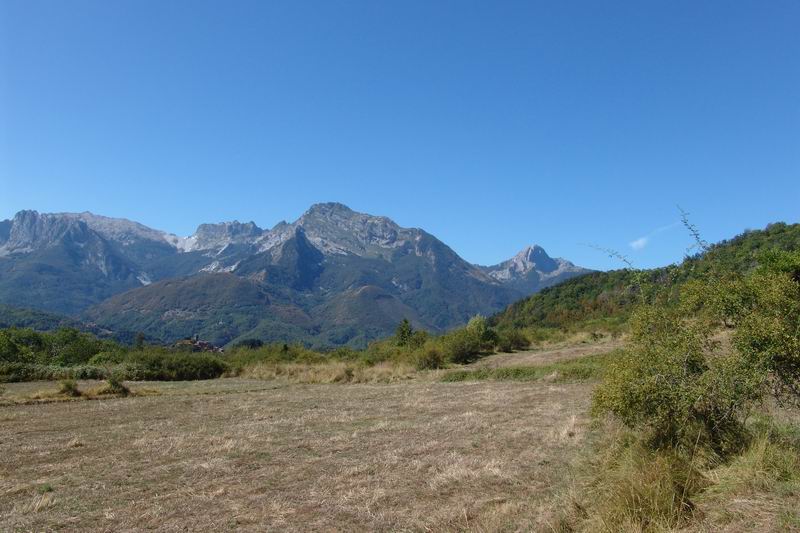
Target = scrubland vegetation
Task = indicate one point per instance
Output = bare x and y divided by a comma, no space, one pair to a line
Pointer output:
27,355
685,432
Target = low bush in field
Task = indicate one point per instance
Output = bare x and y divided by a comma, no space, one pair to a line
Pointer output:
509,340
241,357
428,357
137,366
114,385
141,366
15,372
69,387
108,358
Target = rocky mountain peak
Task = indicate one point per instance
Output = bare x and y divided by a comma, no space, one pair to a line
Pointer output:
334,228
533,257
328,210
532,267
30,230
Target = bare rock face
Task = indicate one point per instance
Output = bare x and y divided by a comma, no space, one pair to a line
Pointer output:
218,236
29,231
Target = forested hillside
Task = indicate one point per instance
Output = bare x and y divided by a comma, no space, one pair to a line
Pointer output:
607,298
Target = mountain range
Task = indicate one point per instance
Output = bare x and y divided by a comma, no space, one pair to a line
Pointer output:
332,277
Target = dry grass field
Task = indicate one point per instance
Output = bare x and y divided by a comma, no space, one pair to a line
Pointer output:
268,455
550,354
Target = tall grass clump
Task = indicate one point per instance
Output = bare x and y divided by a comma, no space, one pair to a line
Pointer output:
115,385
69,387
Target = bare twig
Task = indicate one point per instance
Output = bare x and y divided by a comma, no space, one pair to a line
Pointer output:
699,243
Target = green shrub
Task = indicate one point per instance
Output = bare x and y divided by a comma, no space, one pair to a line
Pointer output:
403,333
669,386
418,339
17,372
273,353
69,387
345,353
251,344
107,358
9,350
509,340
173,366
460,346
428,357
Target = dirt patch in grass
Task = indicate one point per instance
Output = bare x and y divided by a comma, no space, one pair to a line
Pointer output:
411,456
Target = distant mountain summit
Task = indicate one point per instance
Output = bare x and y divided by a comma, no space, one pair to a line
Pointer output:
532,270
334,276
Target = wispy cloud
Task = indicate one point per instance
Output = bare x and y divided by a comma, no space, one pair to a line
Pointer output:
644,240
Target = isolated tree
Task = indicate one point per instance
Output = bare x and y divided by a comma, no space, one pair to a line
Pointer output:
139,343
403,333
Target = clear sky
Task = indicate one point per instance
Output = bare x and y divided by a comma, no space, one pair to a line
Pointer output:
492,125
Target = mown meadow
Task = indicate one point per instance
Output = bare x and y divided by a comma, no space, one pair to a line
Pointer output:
681,385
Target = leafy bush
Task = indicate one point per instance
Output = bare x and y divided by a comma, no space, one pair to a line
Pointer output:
9,350
273,353
173,366
428,357
108,358
768,329
65,346
509,340
669,386
16,372
252,344
461,346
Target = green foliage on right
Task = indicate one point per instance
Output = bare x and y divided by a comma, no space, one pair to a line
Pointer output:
702,357
609,298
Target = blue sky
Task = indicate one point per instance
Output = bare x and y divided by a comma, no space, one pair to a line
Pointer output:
491,125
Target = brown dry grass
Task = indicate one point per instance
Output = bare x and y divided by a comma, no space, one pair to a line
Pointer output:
257,455
333,372
550,355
